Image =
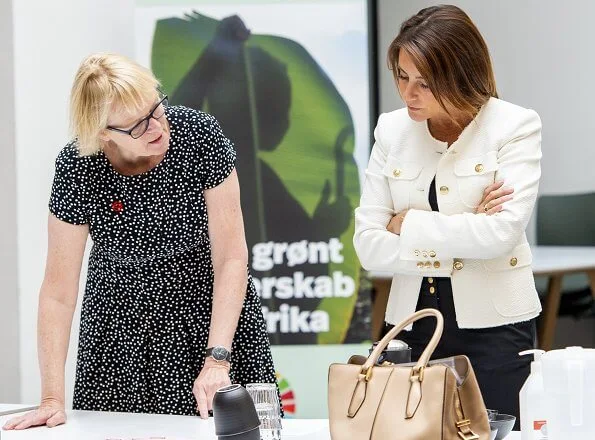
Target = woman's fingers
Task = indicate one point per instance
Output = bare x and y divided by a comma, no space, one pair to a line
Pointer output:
495,205
35,418
222,382
202,403
493,197
495,194
13,422
42,416
494,186
59,418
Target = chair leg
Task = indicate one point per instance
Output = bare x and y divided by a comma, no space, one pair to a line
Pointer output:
591,275
382,288
547,328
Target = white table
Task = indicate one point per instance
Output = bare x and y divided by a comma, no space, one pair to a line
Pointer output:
555,262
551,261
10,408
90,425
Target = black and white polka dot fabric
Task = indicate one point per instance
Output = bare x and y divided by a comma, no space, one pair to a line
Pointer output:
147,305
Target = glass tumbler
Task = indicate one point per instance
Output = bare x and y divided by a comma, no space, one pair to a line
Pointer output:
266,402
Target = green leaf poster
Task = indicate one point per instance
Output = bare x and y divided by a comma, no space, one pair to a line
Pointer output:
288,82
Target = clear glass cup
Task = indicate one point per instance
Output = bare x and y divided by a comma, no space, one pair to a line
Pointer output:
266,402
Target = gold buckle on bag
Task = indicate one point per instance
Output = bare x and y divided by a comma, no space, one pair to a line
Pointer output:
417,375
470,436
366,373
466,435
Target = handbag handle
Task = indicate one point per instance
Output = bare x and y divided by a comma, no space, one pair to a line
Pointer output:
427,353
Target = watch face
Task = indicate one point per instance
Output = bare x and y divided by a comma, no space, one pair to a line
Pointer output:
220,353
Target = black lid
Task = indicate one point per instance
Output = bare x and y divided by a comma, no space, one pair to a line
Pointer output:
234,413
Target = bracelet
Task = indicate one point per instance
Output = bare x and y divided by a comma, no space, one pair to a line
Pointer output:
223,364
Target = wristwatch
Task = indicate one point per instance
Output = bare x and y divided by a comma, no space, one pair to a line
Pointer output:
219,353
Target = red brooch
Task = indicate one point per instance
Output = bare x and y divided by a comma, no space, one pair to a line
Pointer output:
117,206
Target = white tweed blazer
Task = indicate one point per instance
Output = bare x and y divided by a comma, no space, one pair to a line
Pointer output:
487,257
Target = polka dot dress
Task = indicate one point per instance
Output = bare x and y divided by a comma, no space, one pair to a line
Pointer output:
147,305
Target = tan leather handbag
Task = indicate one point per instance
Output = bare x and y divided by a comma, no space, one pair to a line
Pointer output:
406,401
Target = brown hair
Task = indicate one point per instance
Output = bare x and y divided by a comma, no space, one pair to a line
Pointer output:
451,55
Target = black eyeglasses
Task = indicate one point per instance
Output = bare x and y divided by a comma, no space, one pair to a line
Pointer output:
141,126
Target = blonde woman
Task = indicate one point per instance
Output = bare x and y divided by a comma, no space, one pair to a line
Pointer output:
451,184
170,313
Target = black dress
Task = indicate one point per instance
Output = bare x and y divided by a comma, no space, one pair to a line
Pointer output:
147,305
493,352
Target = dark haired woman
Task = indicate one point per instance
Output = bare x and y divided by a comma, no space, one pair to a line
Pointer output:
450,187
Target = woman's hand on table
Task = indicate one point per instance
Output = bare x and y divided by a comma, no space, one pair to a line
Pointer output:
493,198
396,222
50,413
213,376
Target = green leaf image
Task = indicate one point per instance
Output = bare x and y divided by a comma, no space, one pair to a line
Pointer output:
294,135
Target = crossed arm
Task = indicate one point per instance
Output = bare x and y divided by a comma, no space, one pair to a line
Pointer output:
464,235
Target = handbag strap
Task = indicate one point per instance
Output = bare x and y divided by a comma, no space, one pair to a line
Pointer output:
427,353
463,424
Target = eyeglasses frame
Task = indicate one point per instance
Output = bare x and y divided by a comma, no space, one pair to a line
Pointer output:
143,120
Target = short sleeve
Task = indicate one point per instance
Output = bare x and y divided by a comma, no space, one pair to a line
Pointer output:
218,155
69,198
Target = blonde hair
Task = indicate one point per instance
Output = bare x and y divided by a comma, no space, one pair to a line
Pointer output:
103,82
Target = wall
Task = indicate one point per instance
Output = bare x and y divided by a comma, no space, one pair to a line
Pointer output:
50,40
9,319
